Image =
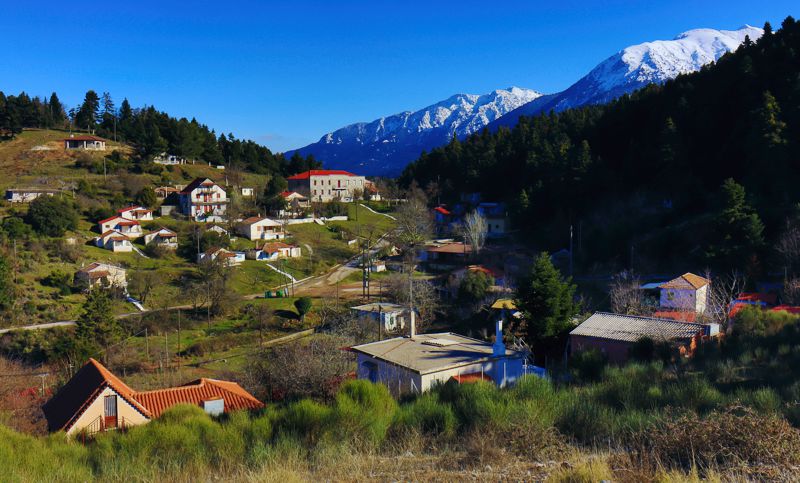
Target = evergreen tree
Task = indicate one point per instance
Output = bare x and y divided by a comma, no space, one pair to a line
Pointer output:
738,228
547,303
97,324
56,110
89,112
272,199
51,216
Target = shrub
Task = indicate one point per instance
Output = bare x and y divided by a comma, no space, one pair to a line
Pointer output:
588,365
51,216
304,420
428,416
363,411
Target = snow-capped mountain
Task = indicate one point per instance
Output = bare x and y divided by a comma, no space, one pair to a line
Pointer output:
637,66
386,145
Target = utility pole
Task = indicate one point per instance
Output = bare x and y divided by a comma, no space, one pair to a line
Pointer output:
146,344
570,250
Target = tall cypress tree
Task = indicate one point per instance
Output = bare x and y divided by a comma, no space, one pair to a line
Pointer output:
56,110
738,229
89,112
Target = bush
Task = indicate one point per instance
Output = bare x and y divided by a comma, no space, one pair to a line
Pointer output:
304,420
363,412
59,280
428,416
588,365
52,216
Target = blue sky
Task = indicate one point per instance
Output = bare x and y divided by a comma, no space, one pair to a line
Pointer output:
285,73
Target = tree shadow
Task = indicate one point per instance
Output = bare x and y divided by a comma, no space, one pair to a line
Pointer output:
287,314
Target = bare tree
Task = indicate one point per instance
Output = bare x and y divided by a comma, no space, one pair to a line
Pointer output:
626,295
414,222
311,367
788,246
474,229
143,282
426,300
721,292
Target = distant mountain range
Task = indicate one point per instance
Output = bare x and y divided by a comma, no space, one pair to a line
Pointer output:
385,146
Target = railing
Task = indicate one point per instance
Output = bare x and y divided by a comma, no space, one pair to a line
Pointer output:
98,425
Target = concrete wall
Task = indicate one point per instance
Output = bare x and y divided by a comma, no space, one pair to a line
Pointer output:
125,412
680,299
398,379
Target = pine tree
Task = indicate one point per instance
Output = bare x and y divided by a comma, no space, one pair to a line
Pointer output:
89,112
97,324
56,110
738,228
547,303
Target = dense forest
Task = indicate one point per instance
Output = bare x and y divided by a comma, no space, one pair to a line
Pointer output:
646,172
152,132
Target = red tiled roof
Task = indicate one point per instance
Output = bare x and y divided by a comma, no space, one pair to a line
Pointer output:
84,138
471,377
79,392
488,271
679,315
792,309
442,210
286,194
767,298
687,280
457,248
110,219
195,393
128,223
321,172
274,247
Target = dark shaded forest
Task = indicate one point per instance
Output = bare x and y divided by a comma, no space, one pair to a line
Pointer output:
645,173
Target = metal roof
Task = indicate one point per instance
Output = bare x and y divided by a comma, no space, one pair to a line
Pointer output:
380,307
420,356
630,328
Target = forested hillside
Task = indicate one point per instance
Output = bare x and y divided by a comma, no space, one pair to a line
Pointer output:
151,132
646,172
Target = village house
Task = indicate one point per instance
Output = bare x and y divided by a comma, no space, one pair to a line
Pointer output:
169,159
615,334
93,143
416,363
689,292
327,185
391,317
203,200
99,274
271,251
295,199
248,192
95,400
129,228
114,241
26,195
218,230
496,218
136,213
230,258
443,219
162,237
442,255
260,228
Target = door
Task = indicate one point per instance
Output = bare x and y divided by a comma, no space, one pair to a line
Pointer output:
110,410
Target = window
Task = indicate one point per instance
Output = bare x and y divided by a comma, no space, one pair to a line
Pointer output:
110,411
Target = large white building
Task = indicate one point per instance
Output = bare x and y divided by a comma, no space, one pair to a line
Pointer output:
327,184
203,200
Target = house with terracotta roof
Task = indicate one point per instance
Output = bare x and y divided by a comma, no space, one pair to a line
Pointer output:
86,142
136,213
114,241
260,228
327,184
274,251
445,254
203,200
163,237
689,292
99,274
95,400
615,334
130,228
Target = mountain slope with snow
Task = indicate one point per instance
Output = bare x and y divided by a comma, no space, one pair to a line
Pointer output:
386,145
639,65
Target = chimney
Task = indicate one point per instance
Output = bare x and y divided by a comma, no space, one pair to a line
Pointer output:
498,348
413,318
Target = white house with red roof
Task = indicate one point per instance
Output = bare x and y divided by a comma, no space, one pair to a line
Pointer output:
93,143
114,241
273,251
136,212
203,200
327,184
101,274
129,228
